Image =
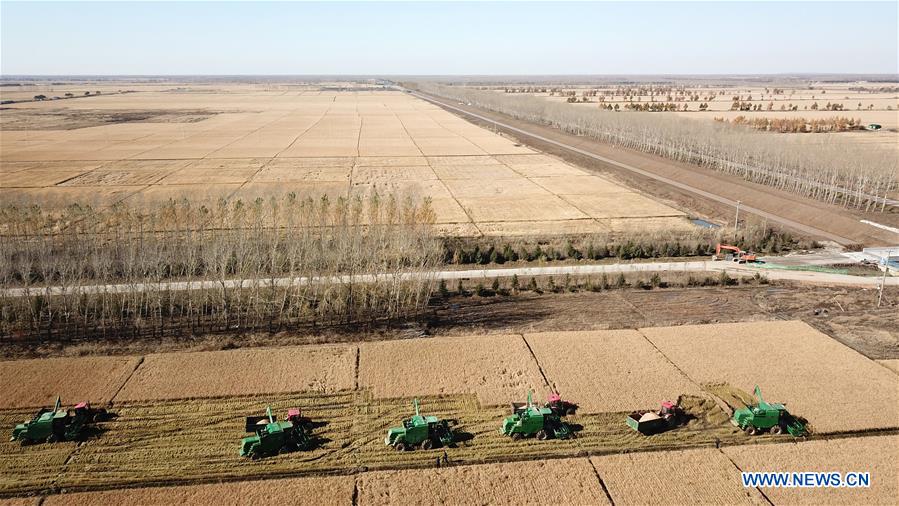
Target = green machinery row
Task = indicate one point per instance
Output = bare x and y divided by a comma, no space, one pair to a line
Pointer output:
271,436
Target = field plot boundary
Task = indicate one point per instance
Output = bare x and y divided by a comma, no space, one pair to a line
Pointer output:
209,364
624,359
269,475
773,367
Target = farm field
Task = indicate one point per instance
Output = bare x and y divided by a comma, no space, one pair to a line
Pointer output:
695,476
498,369
245,142
324,369
817,377
891,364
874,454
868,102
180,415
336,490
36,383
701,476
196,441
607,371
566,481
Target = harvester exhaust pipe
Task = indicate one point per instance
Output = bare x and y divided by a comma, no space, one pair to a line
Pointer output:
268,412
58,405
415,403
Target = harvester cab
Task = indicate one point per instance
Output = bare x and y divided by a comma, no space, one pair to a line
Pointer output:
419,431
271,436
559,406
532,420
764,416
57,424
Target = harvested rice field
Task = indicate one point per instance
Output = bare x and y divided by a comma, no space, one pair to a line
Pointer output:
180,415
873,454
497,368
150,146
702,476
608,371
324,369
325,490
834,387
565,481
36,383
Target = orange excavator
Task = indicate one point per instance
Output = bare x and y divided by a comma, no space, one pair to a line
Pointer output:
733,254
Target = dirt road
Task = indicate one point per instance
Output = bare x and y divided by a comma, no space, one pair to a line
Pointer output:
559,270
684,183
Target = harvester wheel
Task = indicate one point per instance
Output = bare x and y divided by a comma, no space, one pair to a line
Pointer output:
542,435
516,436
427,444
777,430
100,416
52,438
400,447
25,441
751,430
571,410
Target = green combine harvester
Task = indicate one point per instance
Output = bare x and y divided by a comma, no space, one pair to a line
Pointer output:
273,437
531,420
423,432
56,424
763,416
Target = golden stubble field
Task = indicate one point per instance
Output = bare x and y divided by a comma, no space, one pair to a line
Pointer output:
323,369
37,382
695,476
562,481
336,490
702,476
180,420
608,370
258,143
834,387
873,454
497,368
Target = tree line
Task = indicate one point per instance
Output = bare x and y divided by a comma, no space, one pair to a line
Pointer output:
131,253
846,175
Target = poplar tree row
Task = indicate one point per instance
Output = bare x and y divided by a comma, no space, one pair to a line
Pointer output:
837,173
113,269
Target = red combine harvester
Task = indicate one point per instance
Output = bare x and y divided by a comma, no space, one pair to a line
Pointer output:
733,254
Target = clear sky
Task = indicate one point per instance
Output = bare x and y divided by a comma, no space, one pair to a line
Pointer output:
448,38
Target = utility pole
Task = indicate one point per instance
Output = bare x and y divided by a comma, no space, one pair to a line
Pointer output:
883,279
736,221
